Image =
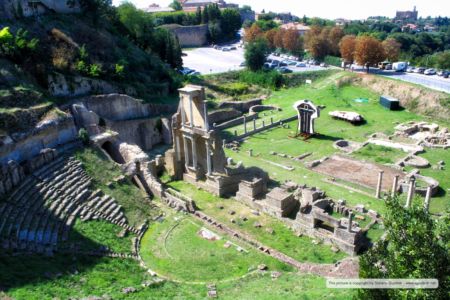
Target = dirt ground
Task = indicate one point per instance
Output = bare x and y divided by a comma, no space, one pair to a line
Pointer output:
359,172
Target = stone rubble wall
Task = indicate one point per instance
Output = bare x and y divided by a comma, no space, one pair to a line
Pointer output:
190,36
48,134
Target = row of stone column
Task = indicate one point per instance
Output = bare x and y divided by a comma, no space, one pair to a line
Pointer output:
194,154
411,190
254,124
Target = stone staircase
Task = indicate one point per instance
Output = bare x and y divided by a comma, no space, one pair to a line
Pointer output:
41,211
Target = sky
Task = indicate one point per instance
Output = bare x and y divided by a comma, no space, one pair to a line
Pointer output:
332,9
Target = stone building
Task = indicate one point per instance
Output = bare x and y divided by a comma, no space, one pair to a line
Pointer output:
28,8
405,16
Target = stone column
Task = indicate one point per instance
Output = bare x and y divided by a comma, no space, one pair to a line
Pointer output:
208,158
191,112
205,113
254,124
411,188
177,148
271,120
183,113
394,186
380,181
194,154
186,152
245,125
427,199
350,221
263,124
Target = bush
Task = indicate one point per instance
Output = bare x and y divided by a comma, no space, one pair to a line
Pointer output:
267,79
234,89
332,60
255,54
84,136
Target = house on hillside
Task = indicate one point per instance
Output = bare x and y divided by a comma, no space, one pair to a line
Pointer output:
300,27
155,8
191,5
410,28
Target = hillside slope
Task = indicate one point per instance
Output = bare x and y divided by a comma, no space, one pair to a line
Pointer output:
74,57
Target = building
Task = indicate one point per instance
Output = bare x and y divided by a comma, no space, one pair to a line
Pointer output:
300,27
28,8
191,5
342,22
410,27
155,8
405,16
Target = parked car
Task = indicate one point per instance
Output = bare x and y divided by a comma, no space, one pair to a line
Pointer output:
419,70
195,73
442,72
399,66
275,62
243,64
323,65
301,65
284,70
430,72
446,74
410,69
388,67
217,47
233,48
226,49
291,63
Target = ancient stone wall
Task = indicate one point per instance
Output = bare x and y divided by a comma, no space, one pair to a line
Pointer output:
48,134
242,106
190,36
65,86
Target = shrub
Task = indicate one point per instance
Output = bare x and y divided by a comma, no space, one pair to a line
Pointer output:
81,66
84,136
234,89
268,79
333,60
95,70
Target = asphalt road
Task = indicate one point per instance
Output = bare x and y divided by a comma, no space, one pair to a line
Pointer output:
208,60
431,81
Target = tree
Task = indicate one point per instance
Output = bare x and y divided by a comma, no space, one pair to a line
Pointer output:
253,33
368,51
316,42
205,15
231,22
347,48
176,5
96,9
414,247
255,54
293,42
198,15
334,36
270,37
391,48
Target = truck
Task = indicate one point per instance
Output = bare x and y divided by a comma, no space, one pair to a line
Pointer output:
400,66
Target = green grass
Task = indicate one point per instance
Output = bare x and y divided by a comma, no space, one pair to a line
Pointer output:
174,249
324,92
102,233
283,239
379,154
134,202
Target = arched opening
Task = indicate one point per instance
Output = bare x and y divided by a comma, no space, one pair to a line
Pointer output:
102,122
113,152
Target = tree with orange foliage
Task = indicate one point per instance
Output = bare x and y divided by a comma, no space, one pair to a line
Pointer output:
253,33
334,37
368,51
293,42
316,42
270,37
391,48
279,38
347,48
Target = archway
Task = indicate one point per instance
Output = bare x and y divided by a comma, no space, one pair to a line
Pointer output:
113,152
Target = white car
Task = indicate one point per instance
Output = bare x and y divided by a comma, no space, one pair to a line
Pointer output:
430,72
301,65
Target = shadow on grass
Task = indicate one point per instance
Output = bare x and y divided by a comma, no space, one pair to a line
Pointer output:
18,270
324,137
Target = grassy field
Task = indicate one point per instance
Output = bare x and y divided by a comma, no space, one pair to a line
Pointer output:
101,233
282,238
175,249
325,92
379,154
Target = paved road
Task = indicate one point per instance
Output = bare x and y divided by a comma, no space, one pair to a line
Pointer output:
208,60
431,81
